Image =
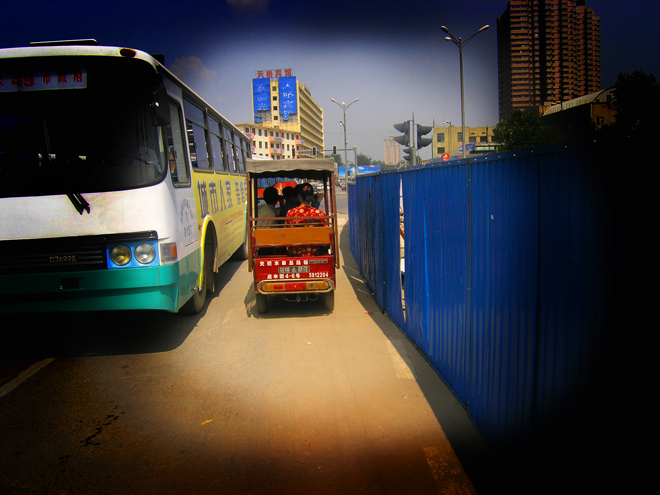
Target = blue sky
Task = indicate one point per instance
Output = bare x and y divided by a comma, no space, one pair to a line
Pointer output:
390,54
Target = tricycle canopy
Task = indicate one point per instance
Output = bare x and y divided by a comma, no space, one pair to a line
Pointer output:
304,168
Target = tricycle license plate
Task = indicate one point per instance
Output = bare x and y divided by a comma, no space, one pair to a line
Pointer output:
293,269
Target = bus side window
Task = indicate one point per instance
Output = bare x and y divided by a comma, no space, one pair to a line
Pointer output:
176,156
240,157
197,135
229,150
216,146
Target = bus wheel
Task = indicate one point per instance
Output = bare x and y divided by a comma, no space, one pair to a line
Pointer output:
329,300
196,302
241,254
262,303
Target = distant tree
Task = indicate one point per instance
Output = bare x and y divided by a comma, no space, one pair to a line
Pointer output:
363,159
337,158
521,130
636,99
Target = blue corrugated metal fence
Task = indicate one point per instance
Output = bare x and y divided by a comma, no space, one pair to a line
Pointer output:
506,276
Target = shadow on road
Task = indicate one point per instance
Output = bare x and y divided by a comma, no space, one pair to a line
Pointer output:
36,336
568,458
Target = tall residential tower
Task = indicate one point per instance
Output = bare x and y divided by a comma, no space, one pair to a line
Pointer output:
392,151
548,51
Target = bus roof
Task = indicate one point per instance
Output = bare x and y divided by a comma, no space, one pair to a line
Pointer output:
56,48
302,167
89,47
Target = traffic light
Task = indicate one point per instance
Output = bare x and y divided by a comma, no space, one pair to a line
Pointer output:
334,150
405,128
408,154
421,131
313,150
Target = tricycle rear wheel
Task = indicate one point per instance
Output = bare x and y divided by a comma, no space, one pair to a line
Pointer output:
262,303
329,300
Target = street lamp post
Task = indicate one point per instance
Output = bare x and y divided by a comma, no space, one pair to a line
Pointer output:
449,140
460,44
344,106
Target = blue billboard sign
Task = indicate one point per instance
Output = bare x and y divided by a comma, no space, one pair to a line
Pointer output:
261,97
288,97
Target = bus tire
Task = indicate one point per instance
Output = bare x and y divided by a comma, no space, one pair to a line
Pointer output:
241,254
329,300
262,303
196,302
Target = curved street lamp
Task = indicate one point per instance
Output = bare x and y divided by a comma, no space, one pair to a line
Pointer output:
460,44
344,106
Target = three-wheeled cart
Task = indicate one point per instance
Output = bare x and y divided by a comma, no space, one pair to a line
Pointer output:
278,273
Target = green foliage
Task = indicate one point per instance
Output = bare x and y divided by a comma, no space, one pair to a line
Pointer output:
337,158
521,130
363,159
637,104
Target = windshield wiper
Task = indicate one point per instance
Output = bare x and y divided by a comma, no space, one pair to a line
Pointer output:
79,202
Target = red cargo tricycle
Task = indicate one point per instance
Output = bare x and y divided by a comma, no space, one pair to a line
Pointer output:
276,243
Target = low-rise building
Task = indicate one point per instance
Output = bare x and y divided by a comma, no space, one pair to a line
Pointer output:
271,142
449,139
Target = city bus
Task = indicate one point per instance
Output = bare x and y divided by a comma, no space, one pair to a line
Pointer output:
120,187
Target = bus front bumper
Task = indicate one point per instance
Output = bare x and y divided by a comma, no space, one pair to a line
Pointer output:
98,290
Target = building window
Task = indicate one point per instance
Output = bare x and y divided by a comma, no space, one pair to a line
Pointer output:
440,150
440,138
459,137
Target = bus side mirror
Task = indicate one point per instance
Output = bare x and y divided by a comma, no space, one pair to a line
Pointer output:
160,107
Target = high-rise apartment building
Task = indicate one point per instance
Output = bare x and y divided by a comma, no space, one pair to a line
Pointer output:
392,151
285,112
548,51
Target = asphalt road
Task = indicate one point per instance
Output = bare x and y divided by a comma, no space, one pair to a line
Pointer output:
296,401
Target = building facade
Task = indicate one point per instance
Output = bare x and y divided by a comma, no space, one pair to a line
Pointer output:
449,139
548,51
392,151
285,113
270,142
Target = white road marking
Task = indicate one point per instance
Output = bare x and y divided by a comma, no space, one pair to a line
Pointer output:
23,376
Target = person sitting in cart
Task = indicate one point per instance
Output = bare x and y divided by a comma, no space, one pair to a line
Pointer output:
305,196
269,208
290,200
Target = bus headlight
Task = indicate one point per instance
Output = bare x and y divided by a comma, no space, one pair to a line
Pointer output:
120,255
145,253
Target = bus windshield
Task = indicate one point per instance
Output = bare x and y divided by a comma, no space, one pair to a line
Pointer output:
94,132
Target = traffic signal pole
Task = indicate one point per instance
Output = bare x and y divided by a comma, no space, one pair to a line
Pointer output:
413,138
